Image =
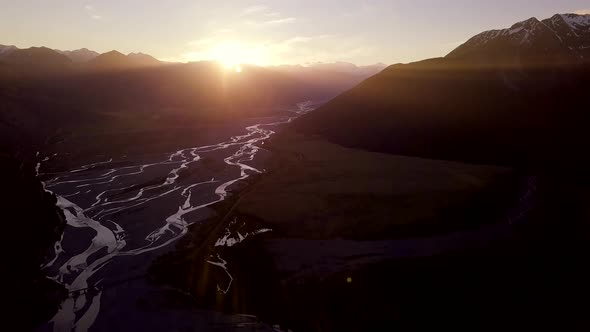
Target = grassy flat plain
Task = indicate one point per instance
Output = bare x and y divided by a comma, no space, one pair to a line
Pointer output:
316,189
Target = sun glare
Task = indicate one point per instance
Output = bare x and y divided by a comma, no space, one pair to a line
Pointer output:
231,66
233,54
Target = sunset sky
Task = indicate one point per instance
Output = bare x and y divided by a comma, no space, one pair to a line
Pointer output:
266,33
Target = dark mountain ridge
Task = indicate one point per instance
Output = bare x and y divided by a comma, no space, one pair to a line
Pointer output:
80,56
498,102
115,60
40,59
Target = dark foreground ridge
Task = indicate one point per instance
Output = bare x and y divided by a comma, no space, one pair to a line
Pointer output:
31,224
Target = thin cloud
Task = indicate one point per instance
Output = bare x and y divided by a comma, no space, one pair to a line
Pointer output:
261,15
92,12
281,21
269,23
303,39
583,11
200,42
254,9
298,40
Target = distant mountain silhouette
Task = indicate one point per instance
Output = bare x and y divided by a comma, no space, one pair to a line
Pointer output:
44,103
337,76
110,59
5,49
84,55
335,67
488,101
81,55
115,60
39,59
144,59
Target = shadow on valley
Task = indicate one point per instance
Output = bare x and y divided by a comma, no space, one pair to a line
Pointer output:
445,109
503,251
29,297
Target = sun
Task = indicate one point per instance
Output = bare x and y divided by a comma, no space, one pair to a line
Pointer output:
231,65
232,55
229,62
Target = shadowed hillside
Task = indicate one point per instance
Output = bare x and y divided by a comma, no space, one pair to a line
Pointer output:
512,109
28,211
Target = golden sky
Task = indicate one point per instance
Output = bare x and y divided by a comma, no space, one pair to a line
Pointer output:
266,33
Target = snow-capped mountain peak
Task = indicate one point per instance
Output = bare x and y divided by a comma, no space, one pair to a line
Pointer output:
5,49
561,38
80,56
577,21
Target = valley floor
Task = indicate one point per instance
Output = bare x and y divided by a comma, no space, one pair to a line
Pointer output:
352,240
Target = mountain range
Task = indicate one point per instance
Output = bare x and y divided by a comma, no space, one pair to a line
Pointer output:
80,56
43,59
516,96
44,92
513,96
117,60
33,58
